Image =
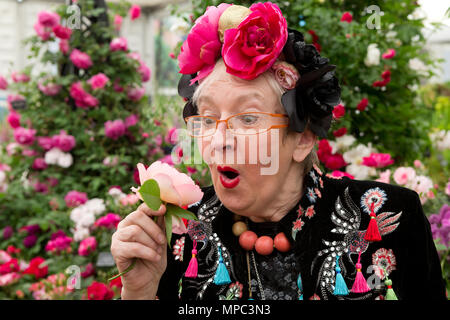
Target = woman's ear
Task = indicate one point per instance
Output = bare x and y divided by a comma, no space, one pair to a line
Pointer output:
305,142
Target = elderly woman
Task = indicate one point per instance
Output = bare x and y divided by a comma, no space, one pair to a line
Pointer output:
277,229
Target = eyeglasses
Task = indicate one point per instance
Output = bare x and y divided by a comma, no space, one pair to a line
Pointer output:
246,123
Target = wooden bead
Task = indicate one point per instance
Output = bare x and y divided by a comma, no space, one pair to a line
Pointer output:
247,240
282,243
238,228
264,245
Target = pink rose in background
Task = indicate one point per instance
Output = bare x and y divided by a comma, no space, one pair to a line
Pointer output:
58,243
13,119
117,87
388,54
24,136
338,111
167,159
42,32
131,120
27,152
39,164
285,74
175,187
50,89
48,19
378,160
98,81
80,59
117,22
118,44
145,72
115,129
403,175
158,140
252,47
129,200
61,32
135,12
75,198
172,136
202,46
87,246
384,176
64,141
347,17
136,93
447,188
64,46
418,164
45,143
340,174
109,221
81,97
3,83
19,77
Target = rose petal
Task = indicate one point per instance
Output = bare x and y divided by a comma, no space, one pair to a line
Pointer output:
178,226
189,193
168,192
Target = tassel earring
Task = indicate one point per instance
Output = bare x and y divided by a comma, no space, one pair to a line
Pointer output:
192,270
222,276
390,294
372,233
360,284
340,287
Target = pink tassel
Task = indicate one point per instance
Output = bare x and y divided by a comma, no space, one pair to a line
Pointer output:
192,270
360,284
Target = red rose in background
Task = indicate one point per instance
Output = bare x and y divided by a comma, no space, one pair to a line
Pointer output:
335,161
362,105
36,269
99,291
347,17
340,132
338,111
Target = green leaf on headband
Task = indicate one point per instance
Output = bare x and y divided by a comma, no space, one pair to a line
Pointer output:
151,194
180,212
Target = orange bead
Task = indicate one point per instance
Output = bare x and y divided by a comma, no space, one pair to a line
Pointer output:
247,240
282,243
264,245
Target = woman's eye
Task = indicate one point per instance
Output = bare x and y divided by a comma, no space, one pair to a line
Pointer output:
248,119
208,121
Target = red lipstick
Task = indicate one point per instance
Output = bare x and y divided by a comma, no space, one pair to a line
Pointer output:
228,176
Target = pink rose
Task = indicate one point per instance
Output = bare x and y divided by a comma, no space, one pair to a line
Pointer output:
48,19
418,164
98,81
175,187
403,175
13,119
129,200
81,97
115,129
145,72
62,33
252,47
109,221
131,120
43,32
59,244
347,17
172,136
338,111
87,246
50,89
384,176
388,54
285,74
118,44
24,136
202,47
447,188
378,160
75,198
39,164
117,22
135,12
135,94
3,83
64,141
340,174
19,77
45,143
80,59
64,46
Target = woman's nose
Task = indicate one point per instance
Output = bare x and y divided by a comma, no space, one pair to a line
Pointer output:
222,139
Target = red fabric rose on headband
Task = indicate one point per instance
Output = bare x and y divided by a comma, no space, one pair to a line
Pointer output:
202,47
252,47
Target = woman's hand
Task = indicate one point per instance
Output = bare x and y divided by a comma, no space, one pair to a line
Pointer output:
139,236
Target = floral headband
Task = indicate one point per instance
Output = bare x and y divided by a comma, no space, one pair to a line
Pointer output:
252,41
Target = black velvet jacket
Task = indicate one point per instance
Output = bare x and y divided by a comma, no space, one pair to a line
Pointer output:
330,220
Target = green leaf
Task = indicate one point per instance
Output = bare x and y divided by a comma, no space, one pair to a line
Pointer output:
180,212
151,194
168,221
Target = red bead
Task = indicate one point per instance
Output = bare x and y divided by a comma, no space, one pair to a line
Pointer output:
282,243
264,245
247,240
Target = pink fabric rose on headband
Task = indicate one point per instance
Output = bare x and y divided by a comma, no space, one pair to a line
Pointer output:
252,47
202,46
285,74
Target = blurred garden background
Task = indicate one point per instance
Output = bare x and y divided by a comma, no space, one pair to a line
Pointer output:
88,89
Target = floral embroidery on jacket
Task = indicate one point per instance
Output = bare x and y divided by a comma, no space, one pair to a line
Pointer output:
384,262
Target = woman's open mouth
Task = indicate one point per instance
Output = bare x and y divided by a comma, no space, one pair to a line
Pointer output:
229,177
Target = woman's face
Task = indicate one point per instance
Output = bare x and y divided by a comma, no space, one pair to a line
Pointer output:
245,186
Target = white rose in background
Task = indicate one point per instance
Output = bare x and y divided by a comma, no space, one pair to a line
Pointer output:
84,217
56,156
360,172
373,55
417,65
441,139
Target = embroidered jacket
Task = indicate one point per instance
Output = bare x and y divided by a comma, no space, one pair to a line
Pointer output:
328,233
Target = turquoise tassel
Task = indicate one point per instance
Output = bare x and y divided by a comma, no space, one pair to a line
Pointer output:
340,288
300,287
222,277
